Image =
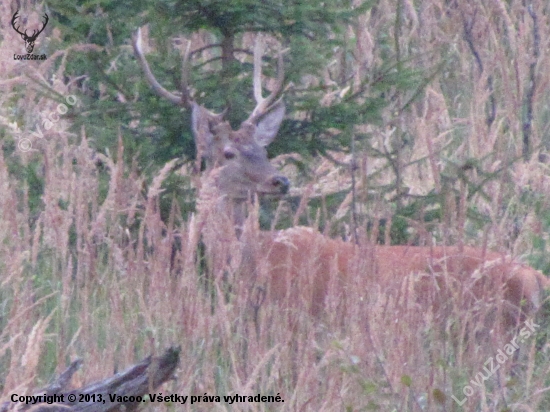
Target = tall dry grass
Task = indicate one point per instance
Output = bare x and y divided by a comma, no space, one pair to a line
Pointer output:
99,275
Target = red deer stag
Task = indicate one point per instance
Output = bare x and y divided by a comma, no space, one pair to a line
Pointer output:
279,261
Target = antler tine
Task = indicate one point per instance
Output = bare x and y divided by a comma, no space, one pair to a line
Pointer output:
263,104
184,99
257,74
43,25
185,96
13,22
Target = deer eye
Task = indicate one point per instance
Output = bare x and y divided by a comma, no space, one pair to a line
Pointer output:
229,154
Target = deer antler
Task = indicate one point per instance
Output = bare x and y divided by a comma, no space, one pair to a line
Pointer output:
46,19
184,99
35,33
14,18
264,104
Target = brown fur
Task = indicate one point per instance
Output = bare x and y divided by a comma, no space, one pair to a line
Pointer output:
297,264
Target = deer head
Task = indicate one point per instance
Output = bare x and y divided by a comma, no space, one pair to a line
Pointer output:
241,153
29,40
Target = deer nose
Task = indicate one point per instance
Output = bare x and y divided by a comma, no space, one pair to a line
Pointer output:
282,183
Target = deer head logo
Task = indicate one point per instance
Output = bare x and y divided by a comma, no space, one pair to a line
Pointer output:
29,40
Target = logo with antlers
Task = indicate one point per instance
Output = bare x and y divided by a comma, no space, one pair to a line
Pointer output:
29,40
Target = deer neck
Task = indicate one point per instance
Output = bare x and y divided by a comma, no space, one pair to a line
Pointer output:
219,208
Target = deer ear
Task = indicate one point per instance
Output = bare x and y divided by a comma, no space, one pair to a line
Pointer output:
204,138
268,126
